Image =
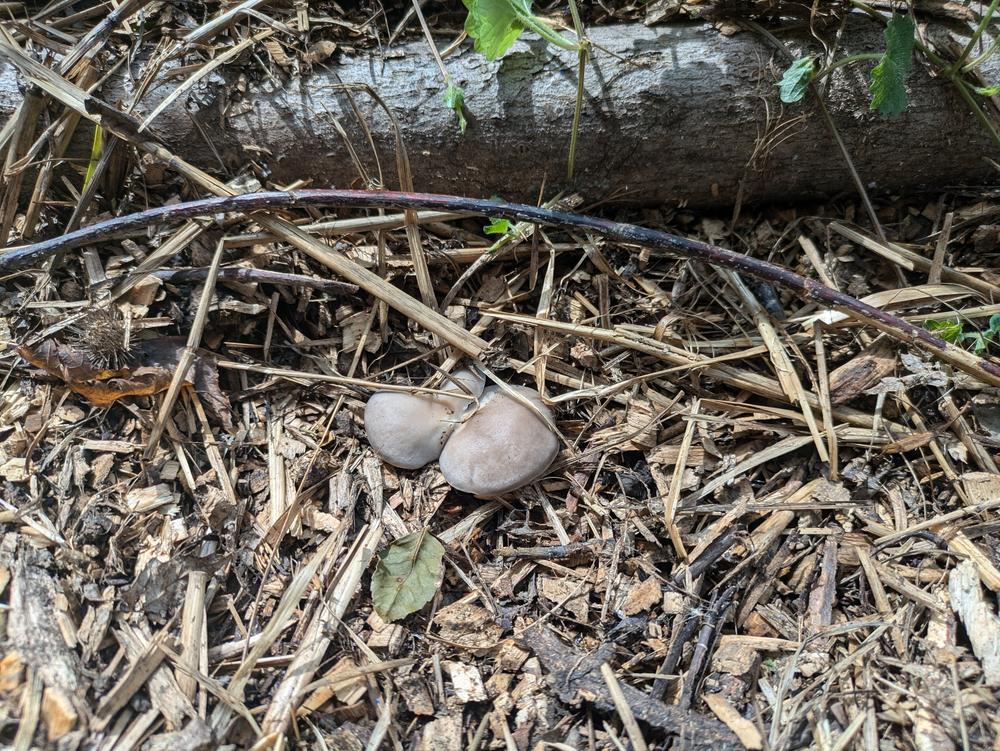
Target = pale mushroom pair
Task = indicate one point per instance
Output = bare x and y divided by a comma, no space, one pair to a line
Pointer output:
487,441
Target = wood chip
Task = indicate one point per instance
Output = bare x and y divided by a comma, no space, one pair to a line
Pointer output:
58,713
642,596
745,730
466,682
981,621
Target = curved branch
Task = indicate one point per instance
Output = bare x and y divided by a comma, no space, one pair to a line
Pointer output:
629,234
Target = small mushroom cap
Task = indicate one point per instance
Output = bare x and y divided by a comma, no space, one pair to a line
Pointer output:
502,446
409,430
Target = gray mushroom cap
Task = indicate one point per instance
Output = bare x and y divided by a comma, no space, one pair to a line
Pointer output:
501,446
409,430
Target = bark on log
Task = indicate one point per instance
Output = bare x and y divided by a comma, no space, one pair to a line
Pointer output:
672,113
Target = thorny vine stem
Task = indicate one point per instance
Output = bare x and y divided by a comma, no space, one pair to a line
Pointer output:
629,234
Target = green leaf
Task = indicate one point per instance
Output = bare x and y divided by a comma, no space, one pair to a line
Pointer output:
497,227
982,340
494,25
979,342
454,98
96,147
986,90
950,331
888,83
796,80
407,575
994,326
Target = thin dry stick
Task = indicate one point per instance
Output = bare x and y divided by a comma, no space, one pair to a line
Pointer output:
203,71
187,356
624,710
290,690
208,30
788,377
811,290
823,381
934,274
910,260
812,253
966,435
194,644
279,620
301,375
346,227
674,493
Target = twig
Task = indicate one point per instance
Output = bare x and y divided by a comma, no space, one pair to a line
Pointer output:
188,356
624,710
683,628
934,275
674,493
629,234
256,276
713,621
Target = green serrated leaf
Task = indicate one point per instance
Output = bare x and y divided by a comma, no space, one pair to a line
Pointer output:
888,81
986,90
795,82
454,98
950,331
497,227
494,25
407,575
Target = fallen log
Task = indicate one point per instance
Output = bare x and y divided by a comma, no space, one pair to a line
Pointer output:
677,113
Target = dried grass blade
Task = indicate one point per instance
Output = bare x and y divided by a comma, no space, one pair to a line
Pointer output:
208,30
632,728
674,494
911,261
279,620
782,447
187,357
788,377
203,71
292,689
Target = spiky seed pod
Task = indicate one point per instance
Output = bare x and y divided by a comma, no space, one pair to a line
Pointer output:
105,336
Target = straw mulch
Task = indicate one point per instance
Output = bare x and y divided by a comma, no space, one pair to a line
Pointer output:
768,527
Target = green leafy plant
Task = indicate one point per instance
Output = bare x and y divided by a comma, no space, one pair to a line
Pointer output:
454,98
950,331
954,71
888,77
496,24
407,575
793,85
980,340
497,227
953,331
888,83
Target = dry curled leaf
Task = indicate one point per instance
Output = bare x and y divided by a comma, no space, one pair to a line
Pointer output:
319,51
149,370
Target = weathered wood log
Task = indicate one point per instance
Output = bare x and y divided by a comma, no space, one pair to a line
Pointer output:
672,113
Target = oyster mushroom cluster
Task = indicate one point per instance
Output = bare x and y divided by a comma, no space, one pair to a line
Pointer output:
486,445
